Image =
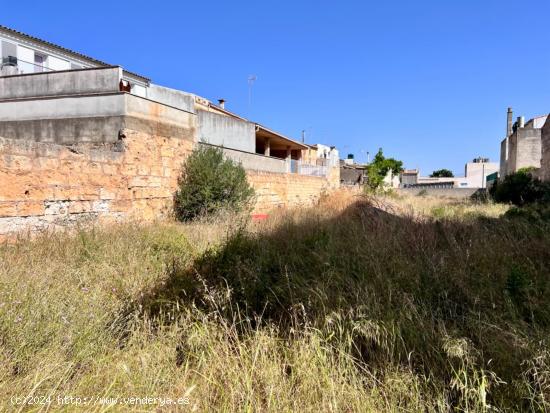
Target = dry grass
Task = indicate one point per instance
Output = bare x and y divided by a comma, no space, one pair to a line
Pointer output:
341,307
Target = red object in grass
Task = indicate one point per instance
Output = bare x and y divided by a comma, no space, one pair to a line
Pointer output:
259,217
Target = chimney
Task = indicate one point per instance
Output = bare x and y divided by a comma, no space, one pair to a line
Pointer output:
521,121
222,103
509,123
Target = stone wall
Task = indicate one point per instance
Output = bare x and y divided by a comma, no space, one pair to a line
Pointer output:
274,190
47,185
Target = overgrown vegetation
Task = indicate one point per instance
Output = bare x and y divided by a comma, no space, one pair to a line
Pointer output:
211,183
521,188
378,170
367,305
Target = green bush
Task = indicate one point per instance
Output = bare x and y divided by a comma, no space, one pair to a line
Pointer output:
537,212
521,188
210,183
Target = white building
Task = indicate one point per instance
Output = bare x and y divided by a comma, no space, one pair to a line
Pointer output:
24,54
476,172
82,99
475,176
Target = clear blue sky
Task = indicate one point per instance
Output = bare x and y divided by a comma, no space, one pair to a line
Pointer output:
428,81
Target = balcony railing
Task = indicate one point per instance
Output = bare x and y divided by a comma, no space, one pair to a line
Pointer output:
260,162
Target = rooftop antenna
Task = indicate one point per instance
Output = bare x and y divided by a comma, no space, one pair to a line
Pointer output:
251,80
303,135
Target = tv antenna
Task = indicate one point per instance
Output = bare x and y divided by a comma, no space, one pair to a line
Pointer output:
251,80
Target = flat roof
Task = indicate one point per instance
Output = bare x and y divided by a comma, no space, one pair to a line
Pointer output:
272,134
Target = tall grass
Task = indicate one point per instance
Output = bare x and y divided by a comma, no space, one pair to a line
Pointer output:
354,305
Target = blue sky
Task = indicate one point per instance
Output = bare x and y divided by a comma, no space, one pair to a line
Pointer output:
429,81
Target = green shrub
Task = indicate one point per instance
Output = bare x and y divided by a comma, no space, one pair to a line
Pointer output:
378,169
521,188
537,212
210,183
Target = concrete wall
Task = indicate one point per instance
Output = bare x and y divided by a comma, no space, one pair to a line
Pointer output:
171,97
89,118
74,82
503,157
524,149
226,131
476,173
255,162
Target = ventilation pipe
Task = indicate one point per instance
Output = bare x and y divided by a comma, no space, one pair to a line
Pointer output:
221,103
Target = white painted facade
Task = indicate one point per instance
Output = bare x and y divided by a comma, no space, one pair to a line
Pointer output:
34,58
328,152
477,172
21,54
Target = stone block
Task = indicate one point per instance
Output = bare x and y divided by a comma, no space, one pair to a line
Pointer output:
8,209
30,208
79,207
56,207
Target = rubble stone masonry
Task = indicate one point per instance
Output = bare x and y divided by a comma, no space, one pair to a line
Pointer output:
47,185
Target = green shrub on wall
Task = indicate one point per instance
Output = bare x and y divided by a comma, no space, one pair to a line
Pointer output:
210,183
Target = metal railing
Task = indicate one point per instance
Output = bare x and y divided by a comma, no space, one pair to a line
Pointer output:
12,61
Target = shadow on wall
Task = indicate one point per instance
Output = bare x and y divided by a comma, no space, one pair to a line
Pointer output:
399,288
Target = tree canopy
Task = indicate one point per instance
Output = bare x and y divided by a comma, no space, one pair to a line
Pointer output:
442,173
379,168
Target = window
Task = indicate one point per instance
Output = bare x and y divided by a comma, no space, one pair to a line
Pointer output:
9,54
39,62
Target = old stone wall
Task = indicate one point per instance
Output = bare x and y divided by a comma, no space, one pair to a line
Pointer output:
47,185
275,190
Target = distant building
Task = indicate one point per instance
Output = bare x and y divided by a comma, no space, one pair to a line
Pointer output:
475,176
491,179
322,155
522,146
477,171
352,174
409,177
